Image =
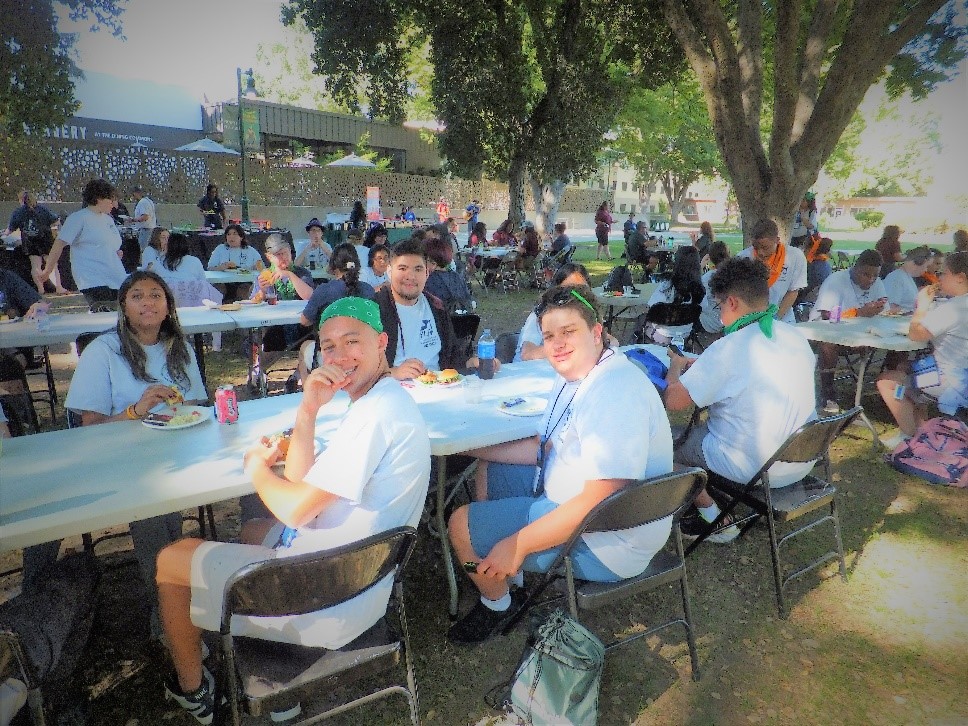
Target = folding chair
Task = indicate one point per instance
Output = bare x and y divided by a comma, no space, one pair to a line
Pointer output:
14,664
507,272
811,442
465,330
637,504
260,674
671,315
843,261
506,344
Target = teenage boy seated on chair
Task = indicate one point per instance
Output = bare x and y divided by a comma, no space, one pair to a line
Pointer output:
540,488
786,264
421,335
371,476
859,293
757,382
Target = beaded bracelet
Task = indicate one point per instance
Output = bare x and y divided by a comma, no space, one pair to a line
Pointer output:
130,412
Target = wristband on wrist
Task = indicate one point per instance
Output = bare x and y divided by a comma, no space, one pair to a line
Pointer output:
131,413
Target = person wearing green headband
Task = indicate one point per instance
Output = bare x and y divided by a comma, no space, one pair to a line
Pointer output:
757,382
370,476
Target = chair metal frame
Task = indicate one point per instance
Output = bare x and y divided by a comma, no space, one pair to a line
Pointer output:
14,663
272,588
672,314
638,503
810,442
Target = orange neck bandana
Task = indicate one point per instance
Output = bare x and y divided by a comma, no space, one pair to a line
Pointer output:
775,263
930,277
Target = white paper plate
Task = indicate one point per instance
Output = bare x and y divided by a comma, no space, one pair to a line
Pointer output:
528,406
9,320
252,303
204,414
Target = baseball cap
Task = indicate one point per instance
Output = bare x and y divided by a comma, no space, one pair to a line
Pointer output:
366,311
275,242
314,222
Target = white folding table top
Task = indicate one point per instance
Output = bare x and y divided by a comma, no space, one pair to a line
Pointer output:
886,332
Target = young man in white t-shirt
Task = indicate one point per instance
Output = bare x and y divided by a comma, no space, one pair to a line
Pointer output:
144,216
757,381
371,476
860,293
421,335
786,265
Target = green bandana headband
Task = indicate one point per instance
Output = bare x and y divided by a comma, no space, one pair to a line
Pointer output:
765,318
366,311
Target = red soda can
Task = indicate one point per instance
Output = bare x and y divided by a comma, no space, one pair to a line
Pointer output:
226,405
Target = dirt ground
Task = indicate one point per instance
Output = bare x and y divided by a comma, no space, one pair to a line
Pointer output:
890,646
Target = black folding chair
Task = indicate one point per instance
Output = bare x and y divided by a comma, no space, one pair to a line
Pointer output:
810,443
637,504
505,345
671,315
260,675
465,330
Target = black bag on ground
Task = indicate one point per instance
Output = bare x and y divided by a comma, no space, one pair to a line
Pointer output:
617,279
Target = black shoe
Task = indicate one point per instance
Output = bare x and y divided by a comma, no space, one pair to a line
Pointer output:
292,384
200,703
693,526
480,623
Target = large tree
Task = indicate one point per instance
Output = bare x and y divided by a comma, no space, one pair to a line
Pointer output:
524,88
783,78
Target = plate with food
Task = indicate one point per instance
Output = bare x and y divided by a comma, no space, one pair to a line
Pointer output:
283,438
229,307
253,302
172,418
523,406
4,319
446,377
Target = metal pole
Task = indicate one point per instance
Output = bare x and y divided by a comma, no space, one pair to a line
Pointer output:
245,183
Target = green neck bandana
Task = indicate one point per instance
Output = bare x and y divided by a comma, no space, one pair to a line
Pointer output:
765,318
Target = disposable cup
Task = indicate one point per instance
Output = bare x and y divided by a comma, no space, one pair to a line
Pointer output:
473,389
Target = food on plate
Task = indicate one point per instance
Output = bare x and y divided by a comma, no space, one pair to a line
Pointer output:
176,396
442,378
258,297
281,438
230,306
184,418
429,378
448,375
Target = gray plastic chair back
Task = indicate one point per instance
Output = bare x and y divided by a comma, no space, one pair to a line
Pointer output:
505,345
316,580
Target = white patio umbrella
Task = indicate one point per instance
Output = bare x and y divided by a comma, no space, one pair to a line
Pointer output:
352,160
208,146
302,162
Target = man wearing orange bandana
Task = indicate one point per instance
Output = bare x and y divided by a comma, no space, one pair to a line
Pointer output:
860,293
787,266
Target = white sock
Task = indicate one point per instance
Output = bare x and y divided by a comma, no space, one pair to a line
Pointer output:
517,579
216,342
499,605
709,513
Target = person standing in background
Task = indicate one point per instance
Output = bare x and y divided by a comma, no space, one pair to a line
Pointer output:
889,246
805,221
443,210
212,208
36,236
144,216
705,239
603,225
470,216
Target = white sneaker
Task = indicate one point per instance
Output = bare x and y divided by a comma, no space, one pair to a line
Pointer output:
288,715
892,442
726,533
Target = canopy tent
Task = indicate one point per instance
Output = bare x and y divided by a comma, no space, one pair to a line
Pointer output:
352,160
302,162
208,146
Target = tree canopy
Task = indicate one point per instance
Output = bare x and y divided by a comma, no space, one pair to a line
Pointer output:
523,87
782,80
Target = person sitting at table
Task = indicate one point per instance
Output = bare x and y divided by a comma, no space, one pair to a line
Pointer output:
684,287
124,375
561,242
858,292
447,286
901,285
584,453
818,265
371,476
757,382
945,325
95,248
344,267
288,282
375,235
185,275
889,247
374,272
421,333
235,253
212,208
504,235
710,325
530,340
529,249
19,300
156,249
316,252
787,266
478,236
931,275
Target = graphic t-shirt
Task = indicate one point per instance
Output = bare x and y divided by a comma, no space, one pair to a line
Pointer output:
417,335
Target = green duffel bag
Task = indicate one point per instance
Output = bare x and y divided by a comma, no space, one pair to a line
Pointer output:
558,678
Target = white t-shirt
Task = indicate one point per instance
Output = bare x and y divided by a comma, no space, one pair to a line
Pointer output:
94,241
759,390
247,257
709,318
613,428
530,333
146,206
378,463
799,223
792,277
104,382
148,256
948,324
371,278
839,289
417,336
901,289
189,268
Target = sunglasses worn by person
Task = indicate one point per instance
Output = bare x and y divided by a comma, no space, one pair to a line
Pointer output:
561,298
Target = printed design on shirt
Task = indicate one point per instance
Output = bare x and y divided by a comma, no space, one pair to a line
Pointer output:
562,428
428,333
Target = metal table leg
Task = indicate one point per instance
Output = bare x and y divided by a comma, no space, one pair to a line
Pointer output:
448,558
200,357
858,393
257,377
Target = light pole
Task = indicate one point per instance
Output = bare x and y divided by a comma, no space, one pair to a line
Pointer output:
247,92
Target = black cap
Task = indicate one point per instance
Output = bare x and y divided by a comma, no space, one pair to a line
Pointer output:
314,222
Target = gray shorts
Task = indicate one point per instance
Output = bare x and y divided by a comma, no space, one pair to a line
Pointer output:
689,452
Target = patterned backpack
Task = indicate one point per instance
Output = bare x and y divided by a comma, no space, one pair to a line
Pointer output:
938,452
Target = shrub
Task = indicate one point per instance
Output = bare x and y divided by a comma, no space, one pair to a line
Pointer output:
869,219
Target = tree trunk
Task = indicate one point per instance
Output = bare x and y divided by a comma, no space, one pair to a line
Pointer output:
516,179
547,199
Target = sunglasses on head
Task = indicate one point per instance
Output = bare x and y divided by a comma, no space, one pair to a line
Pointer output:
563,297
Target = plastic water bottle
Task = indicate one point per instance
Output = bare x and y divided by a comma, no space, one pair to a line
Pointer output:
486,350
679,340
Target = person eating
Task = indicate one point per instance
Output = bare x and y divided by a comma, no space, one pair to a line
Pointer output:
584,453
317,252
371,476
787,266
122,376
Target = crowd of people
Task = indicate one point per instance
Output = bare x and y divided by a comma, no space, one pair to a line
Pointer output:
384,316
